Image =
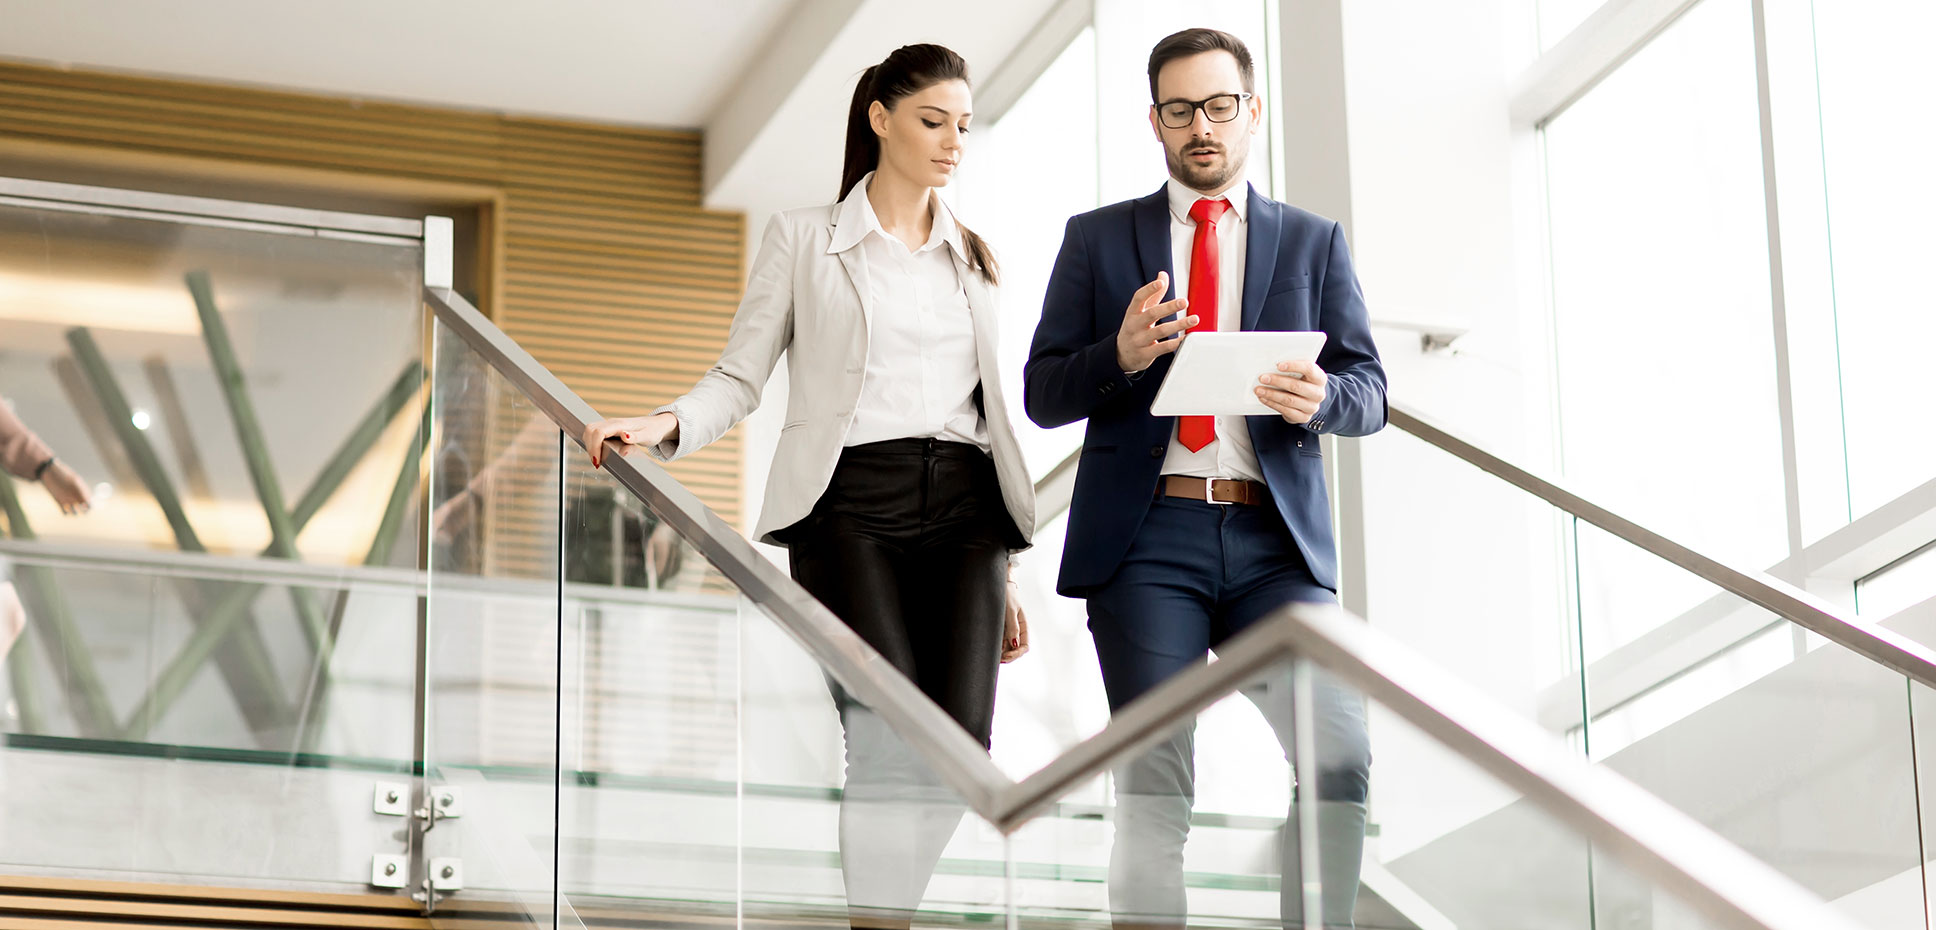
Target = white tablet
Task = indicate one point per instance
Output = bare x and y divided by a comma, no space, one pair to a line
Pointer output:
1215,373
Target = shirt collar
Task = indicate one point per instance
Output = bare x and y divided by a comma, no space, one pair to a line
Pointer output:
1182,198
855,218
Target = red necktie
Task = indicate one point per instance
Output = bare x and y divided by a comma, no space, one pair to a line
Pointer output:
1197,432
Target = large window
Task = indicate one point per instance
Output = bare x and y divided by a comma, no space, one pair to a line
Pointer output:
1876,83
1667,391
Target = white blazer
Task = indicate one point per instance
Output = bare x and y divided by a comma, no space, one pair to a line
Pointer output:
805,299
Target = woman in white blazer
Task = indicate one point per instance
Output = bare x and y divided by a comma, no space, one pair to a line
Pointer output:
898,486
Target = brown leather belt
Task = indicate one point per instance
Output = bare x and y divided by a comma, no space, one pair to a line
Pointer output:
1213,490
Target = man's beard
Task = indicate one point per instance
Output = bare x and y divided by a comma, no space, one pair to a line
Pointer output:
1211,177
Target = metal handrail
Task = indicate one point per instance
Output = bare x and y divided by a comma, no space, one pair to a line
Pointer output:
1878,644
1679,854
324,577
955,756
1885,647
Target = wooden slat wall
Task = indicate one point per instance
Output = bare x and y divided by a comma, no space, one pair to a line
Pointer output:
83,904
607,268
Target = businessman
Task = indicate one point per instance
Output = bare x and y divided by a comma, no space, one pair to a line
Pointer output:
1185,530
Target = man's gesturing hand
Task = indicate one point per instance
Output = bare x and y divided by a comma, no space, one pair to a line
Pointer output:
1142,339
1296,393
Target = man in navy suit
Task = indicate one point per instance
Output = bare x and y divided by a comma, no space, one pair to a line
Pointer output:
1185,530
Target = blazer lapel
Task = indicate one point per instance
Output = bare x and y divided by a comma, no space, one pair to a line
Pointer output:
856,267
1260,255
982,311
1153,238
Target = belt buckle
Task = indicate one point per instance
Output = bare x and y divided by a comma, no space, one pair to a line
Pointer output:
1209,493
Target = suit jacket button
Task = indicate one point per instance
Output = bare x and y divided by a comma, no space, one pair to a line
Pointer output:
1156,452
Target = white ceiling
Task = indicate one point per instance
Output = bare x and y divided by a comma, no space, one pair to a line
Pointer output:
640,62
776,142
766,80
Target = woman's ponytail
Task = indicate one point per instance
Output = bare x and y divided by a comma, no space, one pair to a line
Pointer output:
863,147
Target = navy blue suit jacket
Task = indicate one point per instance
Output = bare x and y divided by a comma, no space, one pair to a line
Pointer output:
1297,276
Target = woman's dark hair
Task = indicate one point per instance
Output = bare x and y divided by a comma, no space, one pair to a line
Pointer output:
1195,42
908,70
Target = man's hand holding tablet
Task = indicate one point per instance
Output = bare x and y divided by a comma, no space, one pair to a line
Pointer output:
1246,373
1295,392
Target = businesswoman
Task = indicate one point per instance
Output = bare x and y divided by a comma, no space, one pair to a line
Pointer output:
898,486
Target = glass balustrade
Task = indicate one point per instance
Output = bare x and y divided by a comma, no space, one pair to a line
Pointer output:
344,617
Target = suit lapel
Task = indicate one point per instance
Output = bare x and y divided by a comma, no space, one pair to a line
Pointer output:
1153,239
1260,255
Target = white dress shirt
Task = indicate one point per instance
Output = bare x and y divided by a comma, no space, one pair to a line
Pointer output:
1230,455
921,369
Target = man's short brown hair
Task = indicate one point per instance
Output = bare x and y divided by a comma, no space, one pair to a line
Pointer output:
1196,42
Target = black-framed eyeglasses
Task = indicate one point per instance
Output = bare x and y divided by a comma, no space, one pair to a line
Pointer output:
1179,114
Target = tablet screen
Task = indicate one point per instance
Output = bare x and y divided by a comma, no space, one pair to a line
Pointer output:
1215,373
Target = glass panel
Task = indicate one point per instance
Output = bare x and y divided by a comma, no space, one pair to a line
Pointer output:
1915,884
493,634
1483,855
1720,708
795,763
125,752
129,343
1659,239
1871,78
1449,844
1052,698
841,819
215,657
1806,766
1446,845
649,810
1794,749
1472,572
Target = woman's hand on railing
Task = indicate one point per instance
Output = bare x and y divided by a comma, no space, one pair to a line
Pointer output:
644,431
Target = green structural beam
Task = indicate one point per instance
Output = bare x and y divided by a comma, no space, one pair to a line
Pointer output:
225,616
316,709
401,491
255,449
26,693
245,663
367,432
87,695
